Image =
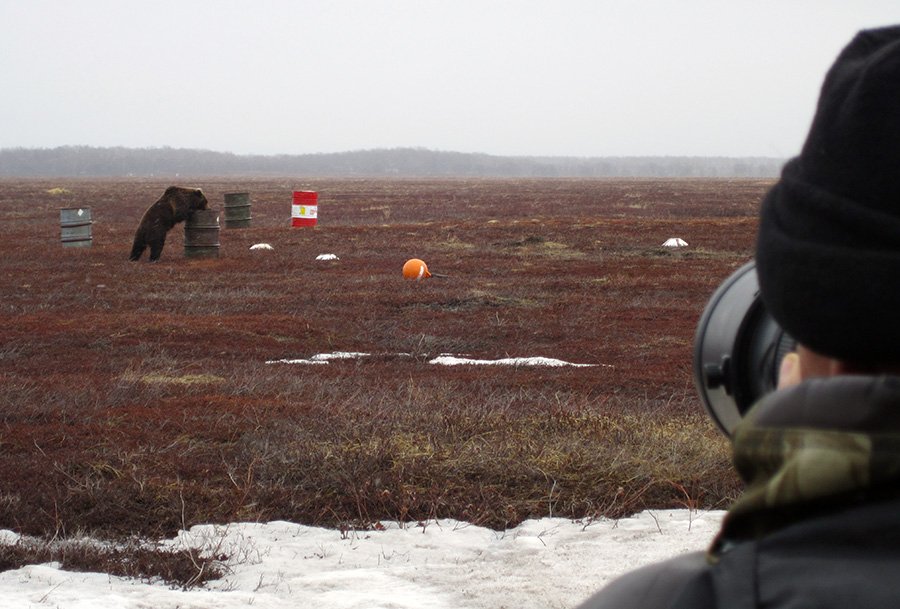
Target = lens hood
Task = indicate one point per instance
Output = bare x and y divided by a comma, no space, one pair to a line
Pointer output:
737,349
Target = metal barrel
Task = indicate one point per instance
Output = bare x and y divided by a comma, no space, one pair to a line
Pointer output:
75,226
201,234
237,210
305,208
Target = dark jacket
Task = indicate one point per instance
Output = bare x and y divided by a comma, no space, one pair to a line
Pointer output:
818,525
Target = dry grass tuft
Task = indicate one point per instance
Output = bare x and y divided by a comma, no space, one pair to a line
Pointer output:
184,569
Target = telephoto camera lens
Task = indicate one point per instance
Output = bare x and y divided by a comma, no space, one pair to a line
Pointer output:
738,348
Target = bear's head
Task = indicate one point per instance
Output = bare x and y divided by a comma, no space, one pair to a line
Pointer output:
193,198
184,201
198,200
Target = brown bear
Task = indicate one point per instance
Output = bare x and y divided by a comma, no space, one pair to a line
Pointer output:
176,205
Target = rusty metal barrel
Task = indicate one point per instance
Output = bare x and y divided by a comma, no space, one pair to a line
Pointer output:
201,234
237,210
75,226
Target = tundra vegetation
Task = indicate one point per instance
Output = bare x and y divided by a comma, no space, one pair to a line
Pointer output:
136,400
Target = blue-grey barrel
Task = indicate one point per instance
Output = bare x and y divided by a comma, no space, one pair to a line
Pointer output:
75,226
201,234
237,210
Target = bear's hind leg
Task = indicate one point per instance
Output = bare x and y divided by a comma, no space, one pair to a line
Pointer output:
137,249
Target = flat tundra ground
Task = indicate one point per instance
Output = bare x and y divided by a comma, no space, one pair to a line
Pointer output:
136,398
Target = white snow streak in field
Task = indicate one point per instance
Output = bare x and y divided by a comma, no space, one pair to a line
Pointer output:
443,360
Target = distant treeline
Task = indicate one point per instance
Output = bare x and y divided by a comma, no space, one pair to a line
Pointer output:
87,161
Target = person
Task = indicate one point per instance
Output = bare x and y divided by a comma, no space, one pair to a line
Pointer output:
818,523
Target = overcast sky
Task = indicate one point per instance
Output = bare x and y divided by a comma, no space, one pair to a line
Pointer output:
518,77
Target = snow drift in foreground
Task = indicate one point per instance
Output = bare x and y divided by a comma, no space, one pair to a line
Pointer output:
551,562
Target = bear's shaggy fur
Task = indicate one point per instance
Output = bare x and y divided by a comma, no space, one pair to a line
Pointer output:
176,205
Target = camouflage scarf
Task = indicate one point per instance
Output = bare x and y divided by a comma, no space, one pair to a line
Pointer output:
821,446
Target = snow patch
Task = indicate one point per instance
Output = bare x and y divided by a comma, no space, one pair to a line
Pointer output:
444,564
442,360
320,358
449,360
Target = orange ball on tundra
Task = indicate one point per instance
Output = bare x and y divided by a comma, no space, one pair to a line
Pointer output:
415,269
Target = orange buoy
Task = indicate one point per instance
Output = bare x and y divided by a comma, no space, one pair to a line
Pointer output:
415,269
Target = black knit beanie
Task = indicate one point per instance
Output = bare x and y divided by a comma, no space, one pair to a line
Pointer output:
828,249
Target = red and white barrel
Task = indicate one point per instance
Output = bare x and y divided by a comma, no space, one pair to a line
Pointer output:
305,208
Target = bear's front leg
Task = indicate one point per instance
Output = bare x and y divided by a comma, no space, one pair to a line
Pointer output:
156,247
